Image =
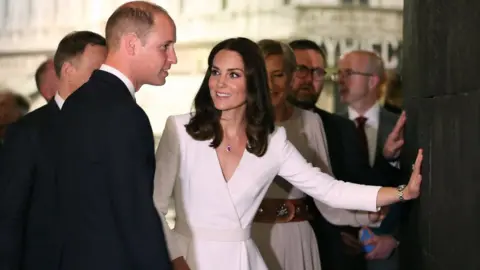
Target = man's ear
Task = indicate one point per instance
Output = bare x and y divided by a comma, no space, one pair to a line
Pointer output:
130,42
374,82
67,69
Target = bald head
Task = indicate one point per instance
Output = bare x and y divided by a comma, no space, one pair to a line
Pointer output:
46,79
362,75
136,17
370,61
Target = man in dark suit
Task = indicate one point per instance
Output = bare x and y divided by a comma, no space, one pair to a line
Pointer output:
348,159
30,221
105,153
360,77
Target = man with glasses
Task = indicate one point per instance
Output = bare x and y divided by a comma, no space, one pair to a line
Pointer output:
361,75
348,159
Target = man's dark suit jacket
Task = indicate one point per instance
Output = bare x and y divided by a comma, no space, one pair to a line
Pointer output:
101,213
393,177
27,202
349,163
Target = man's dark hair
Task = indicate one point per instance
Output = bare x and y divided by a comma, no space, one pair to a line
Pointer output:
73,45
40,70
306,44
22,103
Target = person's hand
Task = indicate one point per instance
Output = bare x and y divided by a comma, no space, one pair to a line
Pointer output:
375,217
383,246
180,264
394,143
412,190
352,245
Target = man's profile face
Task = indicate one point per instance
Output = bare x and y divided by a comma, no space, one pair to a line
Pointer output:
158,53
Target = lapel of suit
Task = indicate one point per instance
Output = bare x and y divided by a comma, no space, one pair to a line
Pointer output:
332,136
329,132
344,114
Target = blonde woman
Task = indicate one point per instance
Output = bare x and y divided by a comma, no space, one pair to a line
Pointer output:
281,229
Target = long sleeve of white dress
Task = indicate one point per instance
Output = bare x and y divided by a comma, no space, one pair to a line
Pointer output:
166,173
321,186
317,142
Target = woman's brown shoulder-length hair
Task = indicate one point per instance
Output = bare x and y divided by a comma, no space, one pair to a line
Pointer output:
260,119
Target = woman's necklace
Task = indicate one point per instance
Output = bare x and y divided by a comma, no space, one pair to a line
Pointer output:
229,146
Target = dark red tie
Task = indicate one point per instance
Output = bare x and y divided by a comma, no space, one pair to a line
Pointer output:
361,132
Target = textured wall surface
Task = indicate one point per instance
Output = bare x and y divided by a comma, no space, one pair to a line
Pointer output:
441,75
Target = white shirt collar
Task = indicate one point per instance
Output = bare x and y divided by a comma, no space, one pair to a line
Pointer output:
121,76
372,114
59,100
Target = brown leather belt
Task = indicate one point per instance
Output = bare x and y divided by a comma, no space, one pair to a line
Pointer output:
282,211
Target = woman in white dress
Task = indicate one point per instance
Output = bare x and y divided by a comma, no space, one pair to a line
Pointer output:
218,162
285,239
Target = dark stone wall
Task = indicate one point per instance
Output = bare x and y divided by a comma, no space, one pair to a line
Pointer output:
441,74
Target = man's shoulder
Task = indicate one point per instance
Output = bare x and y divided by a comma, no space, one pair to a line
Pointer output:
335,119
390,117
35,117
87,92
23,126
94,98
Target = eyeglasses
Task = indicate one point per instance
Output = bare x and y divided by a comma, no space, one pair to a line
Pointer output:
303,71
347,73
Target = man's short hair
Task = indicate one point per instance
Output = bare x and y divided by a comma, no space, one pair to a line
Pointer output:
40,71
135,17
306,44
22,103
73,45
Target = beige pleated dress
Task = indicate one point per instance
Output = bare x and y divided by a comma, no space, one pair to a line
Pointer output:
293,245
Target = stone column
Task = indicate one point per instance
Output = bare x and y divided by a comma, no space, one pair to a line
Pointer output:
441,75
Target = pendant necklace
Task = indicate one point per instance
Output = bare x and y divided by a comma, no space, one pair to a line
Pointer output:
229,148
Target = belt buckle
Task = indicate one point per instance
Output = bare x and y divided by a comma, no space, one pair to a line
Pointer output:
286,212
